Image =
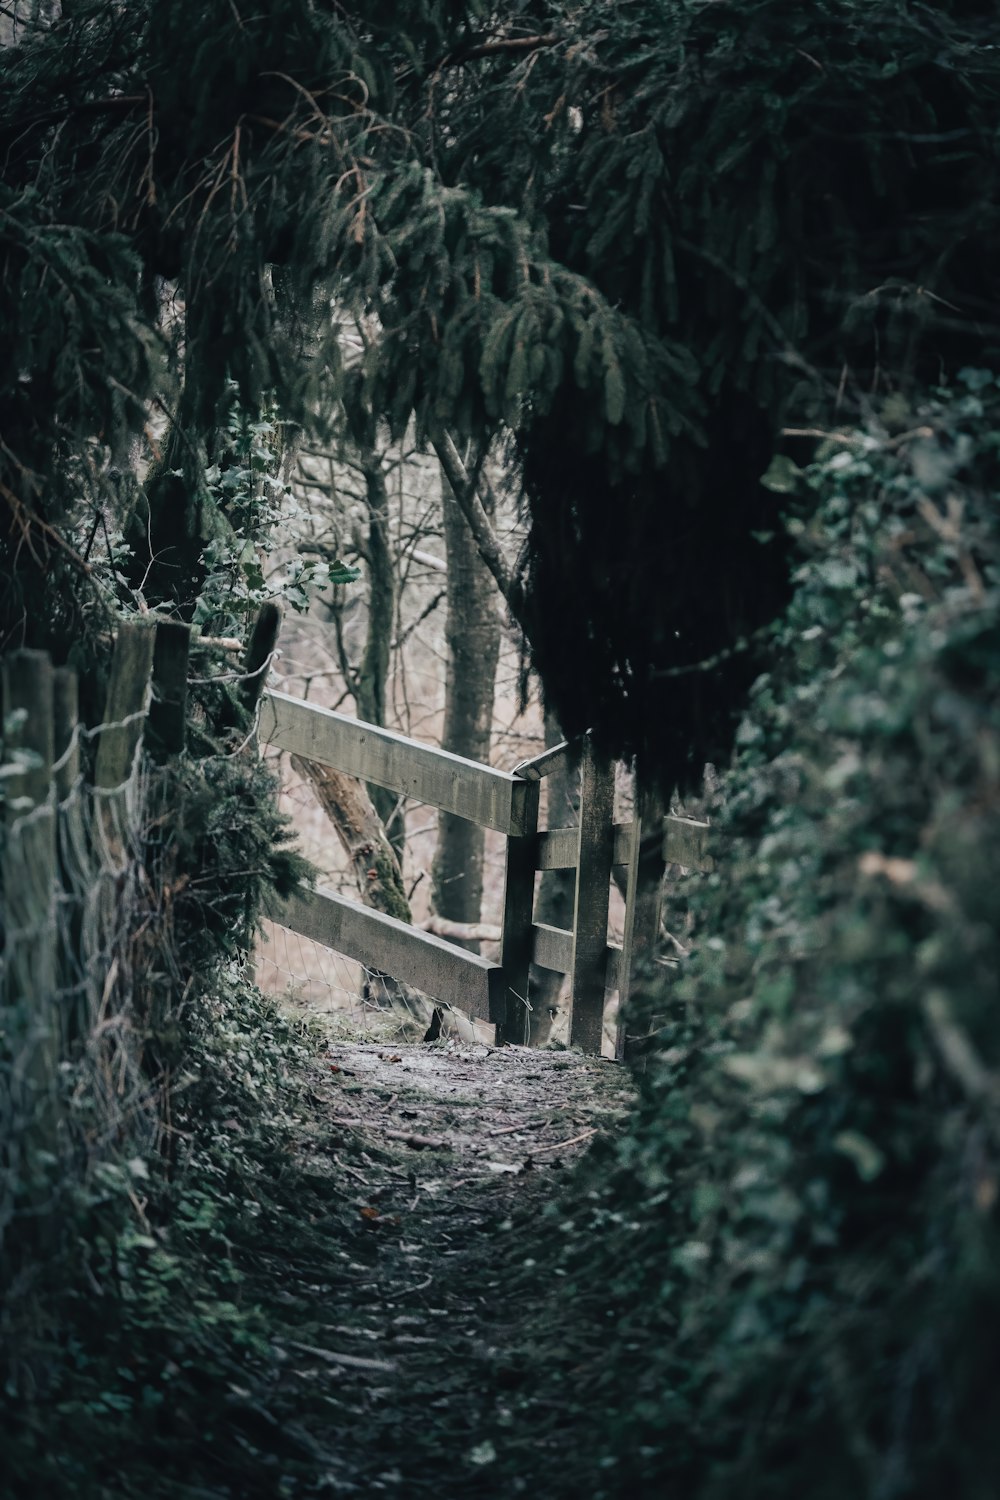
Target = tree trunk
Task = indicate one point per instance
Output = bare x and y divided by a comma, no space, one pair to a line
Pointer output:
555,899
374,672
473,637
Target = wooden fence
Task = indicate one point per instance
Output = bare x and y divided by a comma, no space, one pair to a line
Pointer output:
508,802
73,885
147,697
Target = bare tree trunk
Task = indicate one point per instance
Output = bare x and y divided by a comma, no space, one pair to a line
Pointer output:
473,636
555,899
369,692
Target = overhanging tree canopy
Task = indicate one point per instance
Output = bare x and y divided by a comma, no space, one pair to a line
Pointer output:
638,236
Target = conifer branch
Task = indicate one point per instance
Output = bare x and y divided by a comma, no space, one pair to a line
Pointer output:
114,103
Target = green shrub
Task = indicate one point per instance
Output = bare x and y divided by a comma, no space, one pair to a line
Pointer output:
802,1237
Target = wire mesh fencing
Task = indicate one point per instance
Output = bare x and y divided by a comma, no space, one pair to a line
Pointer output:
76,919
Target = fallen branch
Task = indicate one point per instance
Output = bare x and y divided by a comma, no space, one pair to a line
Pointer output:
419,1142
408,1137
465,932
978,1082
574,1140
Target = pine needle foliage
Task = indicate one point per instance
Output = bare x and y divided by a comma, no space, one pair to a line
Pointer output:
638,235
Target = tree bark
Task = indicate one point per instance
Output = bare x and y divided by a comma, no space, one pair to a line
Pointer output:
369,694
555,899
359,828
473,638
476,501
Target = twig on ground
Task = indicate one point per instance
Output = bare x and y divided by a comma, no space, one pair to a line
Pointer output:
573,1141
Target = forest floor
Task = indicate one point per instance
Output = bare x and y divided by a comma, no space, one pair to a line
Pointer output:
409,1358
365,1278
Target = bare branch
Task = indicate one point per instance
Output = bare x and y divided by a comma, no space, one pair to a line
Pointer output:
499,45
464,932
464,487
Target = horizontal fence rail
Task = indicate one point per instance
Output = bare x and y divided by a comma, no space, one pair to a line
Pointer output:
508,803
685,842
552,948
493,799
428,963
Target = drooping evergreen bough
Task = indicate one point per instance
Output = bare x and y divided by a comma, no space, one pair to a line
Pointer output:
642,237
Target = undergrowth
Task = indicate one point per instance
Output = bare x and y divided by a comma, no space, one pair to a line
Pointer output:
158,1360
789,1270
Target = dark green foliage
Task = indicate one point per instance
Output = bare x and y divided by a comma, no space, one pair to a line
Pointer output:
233,845
801,197
802,1242
641,236
645,241
69,314
155,1373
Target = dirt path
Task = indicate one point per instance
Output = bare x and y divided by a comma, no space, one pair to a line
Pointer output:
407,1362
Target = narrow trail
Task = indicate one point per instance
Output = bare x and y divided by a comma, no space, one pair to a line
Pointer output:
407,1355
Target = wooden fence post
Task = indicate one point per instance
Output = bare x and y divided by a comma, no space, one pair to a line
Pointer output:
122,726
29,880
66,743
168,707
260,649
125,707
642,898
593,897
518,907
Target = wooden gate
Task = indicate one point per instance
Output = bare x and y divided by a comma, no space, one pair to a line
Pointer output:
508,802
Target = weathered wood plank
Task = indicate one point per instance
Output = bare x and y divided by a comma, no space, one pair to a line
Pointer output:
28,867
552,948
518,903
593,897
125,707
544,764
168,708
493,799
558,847
428,963
685,842
66,741
642,900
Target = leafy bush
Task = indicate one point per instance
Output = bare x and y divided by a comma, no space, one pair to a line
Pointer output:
803,1238
154,1373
